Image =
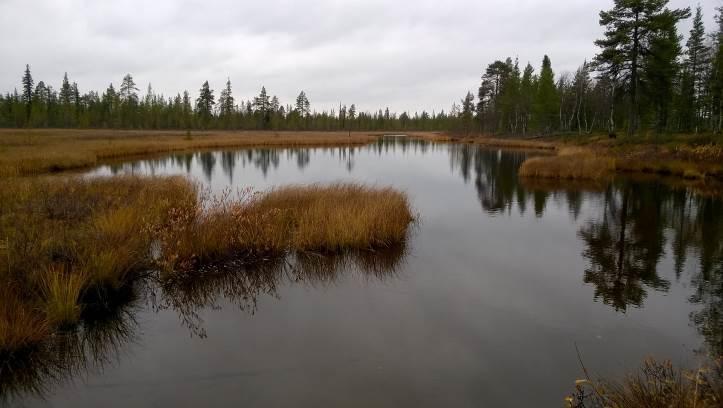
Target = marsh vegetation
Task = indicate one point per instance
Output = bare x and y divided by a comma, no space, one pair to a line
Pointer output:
75,240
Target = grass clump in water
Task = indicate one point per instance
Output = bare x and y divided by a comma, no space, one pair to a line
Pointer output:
75,239
329,219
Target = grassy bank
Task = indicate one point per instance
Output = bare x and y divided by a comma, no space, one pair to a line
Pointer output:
36,151
570,163
73,240
596,157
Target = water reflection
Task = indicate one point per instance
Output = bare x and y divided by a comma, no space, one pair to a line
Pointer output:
264,159
107,328
624,246
243,285
631,249
632,226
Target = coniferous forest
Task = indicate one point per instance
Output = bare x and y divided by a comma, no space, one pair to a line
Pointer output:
647,77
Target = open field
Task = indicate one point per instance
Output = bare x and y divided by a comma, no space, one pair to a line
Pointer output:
26,152
73,239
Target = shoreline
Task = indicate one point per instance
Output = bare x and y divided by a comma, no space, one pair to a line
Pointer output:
28,152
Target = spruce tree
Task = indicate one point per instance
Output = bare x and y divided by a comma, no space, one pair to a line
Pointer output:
27,93
66,95
527,95
547,103
715,81
204,104
226,100
696,67
661,68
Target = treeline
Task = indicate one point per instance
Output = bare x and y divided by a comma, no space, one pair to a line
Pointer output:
644,79
40,105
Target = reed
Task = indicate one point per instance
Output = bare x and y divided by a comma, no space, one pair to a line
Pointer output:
656,384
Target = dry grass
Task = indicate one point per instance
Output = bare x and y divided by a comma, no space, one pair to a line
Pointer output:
656,385
511,143
570,164
25,152
61,292
20,323
340,216
330,218
71,238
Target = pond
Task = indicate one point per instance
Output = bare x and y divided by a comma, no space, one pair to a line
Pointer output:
501,283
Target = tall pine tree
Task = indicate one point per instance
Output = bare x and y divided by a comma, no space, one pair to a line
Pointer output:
629,27
204,104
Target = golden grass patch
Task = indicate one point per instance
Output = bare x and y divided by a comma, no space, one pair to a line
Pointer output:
69,236
572,163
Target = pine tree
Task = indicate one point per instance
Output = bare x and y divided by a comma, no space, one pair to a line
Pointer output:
629,27
204,104
303,106
128,90
467,113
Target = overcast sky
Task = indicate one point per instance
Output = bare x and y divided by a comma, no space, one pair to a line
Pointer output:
405,54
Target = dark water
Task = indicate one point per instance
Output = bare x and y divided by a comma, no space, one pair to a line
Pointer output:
483,307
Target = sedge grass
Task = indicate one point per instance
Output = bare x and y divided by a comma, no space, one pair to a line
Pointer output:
72,236
655,384
570,163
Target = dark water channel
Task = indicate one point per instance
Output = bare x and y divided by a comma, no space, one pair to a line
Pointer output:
483,307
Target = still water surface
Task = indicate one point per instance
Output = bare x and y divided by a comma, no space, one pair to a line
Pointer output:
483,307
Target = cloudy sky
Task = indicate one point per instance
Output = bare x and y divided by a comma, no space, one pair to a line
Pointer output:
405,54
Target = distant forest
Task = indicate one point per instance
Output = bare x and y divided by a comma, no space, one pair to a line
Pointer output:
643,79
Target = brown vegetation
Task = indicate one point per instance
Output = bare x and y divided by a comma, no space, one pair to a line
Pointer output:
510,143
691,158
570,163
72,239
24,151
656,385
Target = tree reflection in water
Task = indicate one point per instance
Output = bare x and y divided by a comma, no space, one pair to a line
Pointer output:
624,246
632,227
